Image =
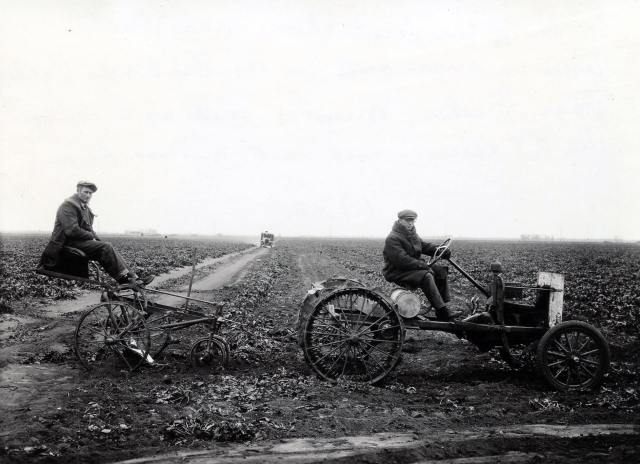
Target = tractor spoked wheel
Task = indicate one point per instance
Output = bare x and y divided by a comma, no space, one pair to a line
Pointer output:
573,355
353,334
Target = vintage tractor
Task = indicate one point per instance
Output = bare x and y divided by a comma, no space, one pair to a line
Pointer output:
266,239
350,331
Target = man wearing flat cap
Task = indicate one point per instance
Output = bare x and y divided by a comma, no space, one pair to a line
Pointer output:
74,228
403,266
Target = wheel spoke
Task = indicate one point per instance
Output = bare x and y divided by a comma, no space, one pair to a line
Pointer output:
327,344
339,327
366,367
379,319
582,347
90,341
555,353
379,330
121,353
557,342
332,351
96,331
590,352
359,326
370,356
375,347
560,372
322,333
100,322
342,353
591,374
556,363
566,337
346,358
591,363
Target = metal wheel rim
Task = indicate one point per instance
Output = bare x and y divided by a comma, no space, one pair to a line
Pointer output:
213,357
342,341
101,343
574,359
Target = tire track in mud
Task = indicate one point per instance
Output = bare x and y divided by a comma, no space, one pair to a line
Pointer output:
381,447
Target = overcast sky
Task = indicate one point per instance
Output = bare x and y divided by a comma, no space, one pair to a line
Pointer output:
490,119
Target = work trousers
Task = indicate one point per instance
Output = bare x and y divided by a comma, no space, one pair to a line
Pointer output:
436,289
104,253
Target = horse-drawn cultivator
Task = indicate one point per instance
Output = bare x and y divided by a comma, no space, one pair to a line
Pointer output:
350,331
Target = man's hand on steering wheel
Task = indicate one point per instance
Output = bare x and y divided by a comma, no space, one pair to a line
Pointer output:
441,252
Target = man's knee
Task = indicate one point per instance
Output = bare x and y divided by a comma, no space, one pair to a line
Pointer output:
106,246
428,279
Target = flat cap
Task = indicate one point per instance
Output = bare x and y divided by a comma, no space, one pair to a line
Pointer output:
84,183
407,214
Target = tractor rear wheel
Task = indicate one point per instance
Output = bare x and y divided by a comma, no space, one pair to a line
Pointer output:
353,334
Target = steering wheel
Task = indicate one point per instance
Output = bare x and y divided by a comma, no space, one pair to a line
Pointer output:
439,252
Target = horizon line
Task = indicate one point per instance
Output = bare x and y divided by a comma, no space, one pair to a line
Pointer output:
371,237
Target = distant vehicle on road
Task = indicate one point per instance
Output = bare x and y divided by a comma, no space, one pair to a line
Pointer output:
266,239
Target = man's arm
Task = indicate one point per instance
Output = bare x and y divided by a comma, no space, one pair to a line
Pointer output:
428,249
400,258
68,217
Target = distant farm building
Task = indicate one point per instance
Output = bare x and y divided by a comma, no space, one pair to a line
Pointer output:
141,232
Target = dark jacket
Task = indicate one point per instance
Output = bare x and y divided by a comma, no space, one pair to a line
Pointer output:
402,251
74,221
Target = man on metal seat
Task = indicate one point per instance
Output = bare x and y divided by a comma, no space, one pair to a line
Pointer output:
74,228
403,266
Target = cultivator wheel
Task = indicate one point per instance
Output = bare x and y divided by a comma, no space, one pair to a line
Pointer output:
112,333
573,355
211,355
353,334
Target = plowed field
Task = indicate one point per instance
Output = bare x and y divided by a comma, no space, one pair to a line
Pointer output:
268,392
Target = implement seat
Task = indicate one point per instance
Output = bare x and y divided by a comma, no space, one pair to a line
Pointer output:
73,262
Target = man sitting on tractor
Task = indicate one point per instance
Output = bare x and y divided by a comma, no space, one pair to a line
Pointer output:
74,228
403,266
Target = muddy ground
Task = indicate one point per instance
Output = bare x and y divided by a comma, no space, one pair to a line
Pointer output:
54,411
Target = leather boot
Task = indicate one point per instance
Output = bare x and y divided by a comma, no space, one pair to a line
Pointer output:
446,314
147,280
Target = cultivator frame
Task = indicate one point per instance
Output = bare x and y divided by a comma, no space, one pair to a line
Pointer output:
341,335
127,329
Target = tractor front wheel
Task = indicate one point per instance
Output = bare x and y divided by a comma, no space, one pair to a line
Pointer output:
573,355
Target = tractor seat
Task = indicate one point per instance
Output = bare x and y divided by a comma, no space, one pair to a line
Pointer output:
408,287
